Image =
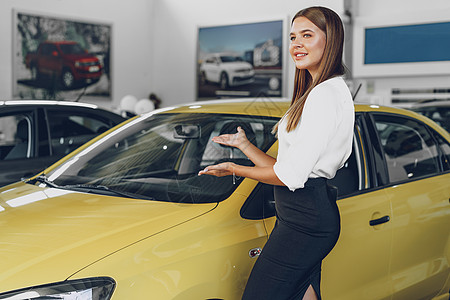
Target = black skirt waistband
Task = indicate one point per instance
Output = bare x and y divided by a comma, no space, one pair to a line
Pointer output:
316,181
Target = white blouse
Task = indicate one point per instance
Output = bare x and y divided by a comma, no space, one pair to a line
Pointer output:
322,140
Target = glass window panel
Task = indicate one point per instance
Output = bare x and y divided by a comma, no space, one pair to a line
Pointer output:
15,137
409,149
161,157
68,130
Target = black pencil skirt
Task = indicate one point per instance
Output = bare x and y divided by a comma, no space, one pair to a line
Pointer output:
307,228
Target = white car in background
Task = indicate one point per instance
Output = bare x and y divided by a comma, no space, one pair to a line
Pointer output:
226,70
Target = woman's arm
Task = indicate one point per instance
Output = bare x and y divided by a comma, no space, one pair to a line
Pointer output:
240,141
263,174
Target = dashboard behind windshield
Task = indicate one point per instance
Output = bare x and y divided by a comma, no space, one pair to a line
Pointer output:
160,157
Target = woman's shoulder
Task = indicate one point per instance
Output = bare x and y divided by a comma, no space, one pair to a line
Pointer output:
330,89
331,84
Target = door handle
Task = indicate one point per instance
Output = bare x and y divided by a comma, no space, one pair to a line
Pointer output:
379,221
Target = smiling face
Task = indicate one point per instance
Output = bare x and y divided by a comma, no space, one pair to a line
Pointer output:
307,45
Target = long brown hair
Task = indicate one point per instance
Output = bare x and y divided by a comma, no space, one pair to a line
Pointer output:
330,65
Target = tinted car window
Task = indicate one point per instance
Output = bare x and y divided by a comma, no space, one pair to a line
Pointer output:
161,157
15,137
72,49
439,114
260,204
409,149
445,149
70,130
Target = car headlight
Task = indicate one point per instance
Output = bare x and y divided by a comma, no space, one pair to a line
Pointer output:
98,288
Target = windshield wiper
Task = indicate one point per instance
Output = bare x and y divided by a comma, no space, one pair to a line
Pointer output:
43,179
89,188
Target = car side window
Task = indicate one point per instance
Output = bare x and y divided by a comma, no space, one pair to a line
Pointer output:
409,149
445,149
15,137
70,130
260,204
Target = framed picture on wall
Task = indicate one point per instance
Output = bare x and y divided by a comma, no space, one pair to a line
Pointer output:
241,60
60,58
402,45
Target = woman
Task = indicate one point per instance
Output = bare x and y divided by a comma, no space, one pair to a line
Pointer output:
315,140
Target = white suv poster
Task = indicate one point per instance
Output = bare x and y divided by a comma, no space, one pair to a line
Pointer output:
242,60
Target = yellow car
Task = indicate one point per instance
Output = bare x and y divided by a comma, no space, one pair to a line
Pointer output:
127,217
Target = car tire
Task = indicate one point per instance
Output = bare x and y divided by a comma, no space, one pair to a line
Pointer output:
223,81
67,79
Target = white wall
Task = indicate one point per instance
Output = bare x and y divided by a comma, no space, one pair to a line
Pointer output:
378,89
155,41
132,46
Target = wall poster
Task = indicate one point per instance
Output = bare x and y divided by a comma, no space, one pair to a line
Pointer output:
59,58
242,60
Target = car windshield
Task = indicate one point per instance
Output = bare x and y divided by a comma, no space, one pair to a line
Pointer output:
230,58
159,157
72,49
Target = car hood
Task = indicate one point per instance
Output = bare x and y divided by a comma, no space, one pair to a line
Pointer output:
48,234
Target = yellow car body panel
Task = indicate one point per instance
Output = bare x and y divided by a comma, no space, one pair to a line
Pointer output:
161,250
38,235
364,275
202,259
423,217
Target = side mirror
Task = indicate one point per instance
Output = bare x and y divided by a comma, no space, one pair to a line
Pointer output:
186,131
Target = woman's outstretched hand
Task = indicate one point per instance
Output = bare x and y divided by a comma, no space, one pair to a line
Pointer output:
220,170
238,139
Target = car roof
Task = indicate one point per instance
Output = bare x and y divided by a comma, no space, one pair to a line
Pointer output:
59,105
60,42
275,107
45,102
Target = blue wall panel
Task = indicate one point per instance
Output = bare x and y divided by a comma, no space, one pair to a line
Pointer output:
410,43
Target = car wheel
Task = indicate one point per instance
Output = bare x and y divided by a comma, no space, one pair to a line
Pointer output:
67,79
223,81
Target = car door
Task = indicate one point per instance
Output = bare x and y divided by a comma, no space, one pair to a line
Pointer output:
358,267
419,192
212,69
